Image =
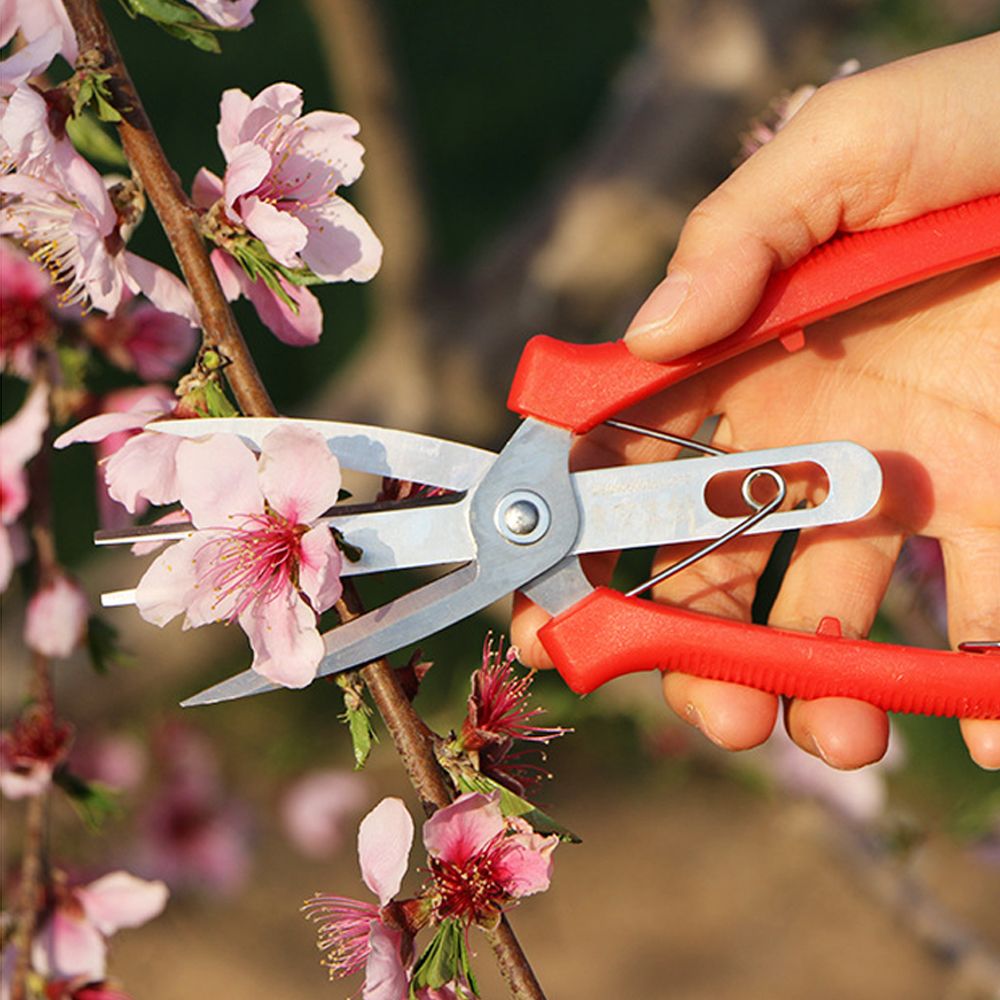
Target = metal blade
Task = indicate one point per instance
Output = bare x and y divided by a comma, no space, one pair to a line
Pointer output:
413,616
389,539
660,503
380,451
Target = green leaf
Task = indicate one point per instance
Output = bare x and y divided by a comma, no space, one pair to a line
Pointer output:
358,717
93,89
179,20
359,723
217,402
512,804
93,142
444,960
95,803
103,646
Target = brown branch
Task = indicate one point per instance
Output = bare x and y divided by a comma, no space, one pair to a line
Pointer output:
30,896
179,220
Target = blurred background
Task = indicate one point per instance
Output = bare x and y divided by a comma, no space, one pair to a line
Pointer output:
528,168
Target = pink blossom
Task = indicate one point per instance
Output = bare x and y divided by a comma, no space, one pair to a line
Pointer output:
20,440
230,14
56,619
481,861
152,459
117,760
72,941
298,327
24,305
282,173
352,933
30,751
141,338
36,19
499,715
193,836
257,557
58,207
139,468
314,809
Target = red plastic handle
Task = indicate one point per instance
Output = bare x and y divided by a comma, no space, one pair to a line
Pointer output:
607,634
579,385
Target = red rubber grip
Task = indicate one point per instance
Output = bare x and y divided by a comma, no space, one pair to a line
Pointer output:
607,634
579,385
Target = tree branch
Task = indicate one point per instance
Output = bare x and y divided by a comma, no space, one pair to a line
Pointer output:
178,218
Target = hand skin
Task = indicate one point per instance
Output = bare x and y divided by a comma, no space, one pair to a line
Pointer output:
913,376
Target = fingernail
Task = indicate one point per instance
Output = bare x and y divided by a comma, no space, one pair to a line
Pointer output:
694,716
659,309
818,749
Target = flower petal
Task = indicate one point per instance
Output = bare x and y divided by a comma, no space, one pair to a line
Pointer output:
342,246
298,474
165,290
314,810
206,189
21,435
56,618
287,645
282,234
328,137
169,586
298,329
69,946
384,840
320,568
233,109
385,974
232,277
461,830
248,166
119,899
527,864
217,476
117,422
144,467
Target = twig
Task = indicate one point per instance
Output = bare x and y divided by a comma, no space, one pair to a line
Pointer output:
30,891
178,218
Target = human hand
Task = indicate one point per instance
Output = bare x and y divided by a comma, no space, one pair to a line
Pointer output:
914,376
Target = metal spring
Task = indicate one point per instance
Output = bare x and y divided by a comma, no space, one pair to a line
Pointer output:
760,511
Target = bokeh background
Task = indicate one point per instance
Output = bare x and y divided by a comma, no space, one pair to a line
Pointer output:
528,169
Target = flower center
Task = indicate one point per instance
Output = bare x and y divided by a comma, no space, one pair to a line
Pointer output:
257,561
474,889
25,321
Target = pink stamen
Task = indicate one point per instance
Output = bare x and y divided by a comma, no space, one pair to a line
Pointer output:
344,930
257,561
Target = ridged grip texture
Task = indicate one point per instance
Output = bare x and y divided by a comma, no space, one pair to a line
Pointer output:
607,635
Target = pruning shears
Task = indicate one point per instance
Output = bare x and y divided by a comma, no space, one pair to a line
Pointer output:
520,519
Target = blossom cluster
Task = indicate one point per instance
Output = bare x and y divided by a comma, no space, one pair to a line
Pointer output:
479,863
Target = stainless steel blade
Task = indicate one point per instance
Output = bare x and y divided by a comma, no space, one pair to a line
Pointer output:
623,507
377,450
635,506
402,538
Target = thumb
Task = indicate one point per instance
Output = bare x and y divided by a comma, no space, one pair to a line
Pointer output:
856,156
